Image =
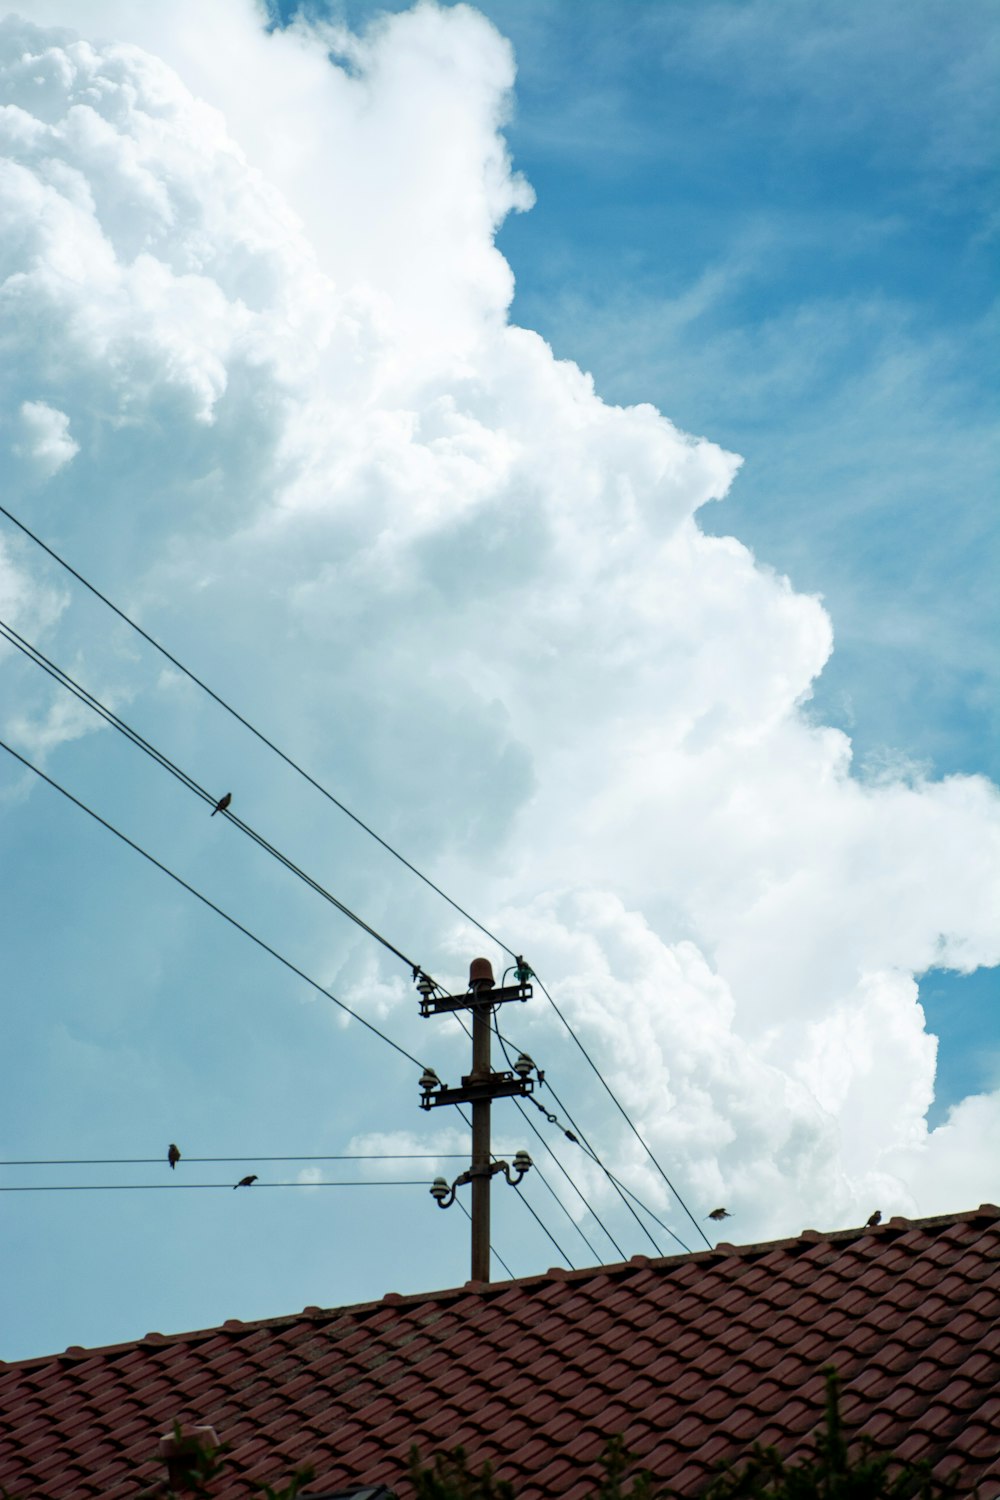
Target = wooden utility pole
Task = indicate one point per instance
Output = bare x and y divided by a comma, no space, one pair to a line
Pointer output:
482,1025
479,1088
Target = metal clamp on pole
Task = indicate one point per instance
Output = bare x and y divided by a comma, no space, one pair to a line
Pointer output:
444,1196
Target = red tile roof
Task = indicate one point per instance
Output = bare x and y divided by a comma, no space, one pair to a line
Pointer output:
692,1358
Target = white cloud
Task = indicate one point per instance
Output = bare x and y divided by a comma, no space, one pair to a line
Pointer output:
45,439
23,603
64,719
318,439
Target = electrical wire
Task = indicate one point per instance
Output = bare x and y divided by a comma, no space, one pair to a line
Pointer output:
504,1041
151,1161
647,1210
581,1140
542,1226
85,696
254,731
369,1026
577,1140
533,1127
547,1184
367,829
340,1157
493,1248
181,1187
624,1113
578,1190
592,1211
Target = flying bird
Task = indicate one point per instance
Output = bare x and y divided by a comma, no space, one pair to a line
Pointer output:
876,1218
222,803
173,1156
718,1214
245,1181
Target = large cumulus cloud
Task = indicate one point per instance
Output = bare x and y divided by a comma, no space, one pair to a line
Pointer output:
257,338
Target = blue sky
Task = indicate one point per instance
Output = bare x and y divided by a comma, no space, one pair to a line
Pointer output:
267,388
782,231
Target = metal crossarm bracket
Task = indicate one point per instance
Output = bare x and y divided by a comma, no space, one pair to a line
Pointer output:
479,1090
442,1004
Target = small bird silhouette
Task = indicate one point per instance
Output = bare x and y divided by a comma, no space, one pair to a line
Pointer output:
173,1156
876,1218
245,1181
718,1214
222,803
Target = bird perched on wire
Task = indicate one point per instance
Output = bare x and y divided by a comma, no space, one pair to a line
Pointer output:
245,1181
173,1155
718,1214
222,803
876,1218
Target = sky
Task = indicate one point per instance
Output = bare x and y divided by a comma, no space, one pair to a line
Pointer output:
569,433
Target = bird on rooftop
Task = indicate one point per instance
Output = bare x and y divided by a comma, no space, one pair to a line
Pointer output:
876,1218
245,1181
222,803
173,1156
718,1214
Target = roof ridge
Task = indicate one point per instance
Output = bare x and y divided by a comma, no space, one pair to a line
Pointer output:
988,1212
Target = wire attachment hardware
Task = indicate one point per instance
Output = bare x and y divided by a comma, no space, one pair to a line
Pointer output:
444,1196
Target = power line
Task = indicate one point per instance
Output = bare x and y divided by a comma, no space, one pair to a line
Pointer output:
367,829
647,1210
369,1026
85,696
592,1211
254,731
183,1187
493,1248
151,1161
589,1151
537,1218
579,1139
531,1124
623,1112
176,1186
547,1184
544,1227
578,1190
585,1145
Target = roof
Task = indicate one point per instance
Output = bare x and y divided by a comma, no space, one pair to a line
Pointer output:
691,1357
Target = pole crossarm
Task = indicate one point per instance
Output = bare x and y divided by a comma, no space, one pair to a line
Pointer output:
475,1090
439,1005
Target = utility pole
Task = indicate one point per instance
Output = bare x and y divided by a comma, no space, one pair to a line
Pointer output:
482,1025
479,1088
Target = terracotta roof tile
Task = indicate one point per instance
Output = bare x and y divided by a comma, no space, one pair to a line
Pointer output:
692,1357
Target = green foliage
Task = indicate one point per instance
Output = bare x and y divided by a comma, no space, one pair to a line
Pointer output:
450,1478
616,1461
300,1476
832,1474
194,1465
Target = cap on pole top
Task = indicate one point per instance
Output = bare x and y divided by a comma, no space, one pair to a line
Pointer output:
481,974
